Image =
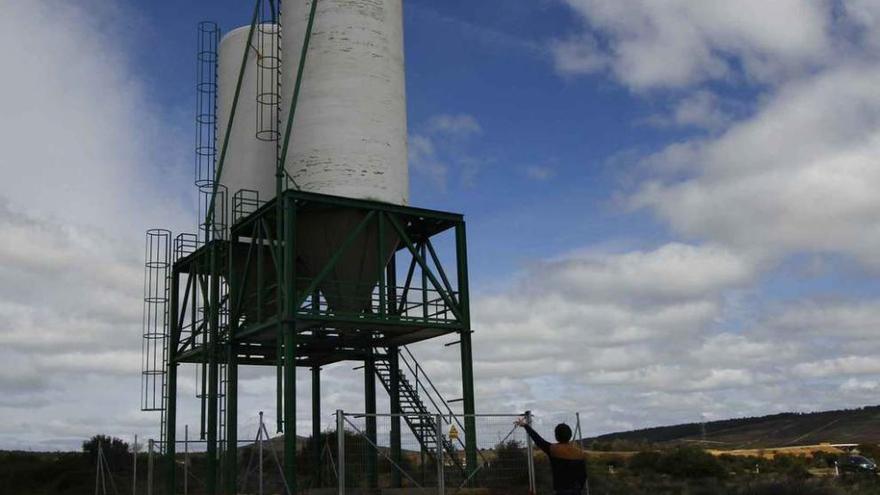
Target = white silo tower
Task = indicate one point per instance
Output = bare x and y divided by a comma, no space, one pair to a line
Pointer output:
349,135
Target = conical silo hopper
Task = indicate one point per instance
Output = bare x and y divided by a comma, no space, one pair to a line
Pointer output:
349,285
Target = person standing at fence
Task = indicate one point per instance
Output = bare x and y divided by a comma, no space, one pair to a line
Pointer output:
566,461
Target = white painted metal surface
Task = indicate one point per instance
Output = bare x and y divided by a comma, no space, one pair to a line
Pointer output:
349,136
250,163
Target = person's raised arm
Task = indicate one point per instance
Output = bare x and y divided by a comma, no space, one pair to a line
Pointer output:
539,441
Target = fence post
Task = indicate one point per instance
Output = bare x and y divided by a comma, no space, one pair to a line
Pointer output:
531,454
150,467
185,459
134,466
340,449
441,475
260,454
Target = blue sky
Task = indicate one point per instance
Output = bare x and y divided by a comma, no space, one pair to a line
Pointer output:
470,60
671,205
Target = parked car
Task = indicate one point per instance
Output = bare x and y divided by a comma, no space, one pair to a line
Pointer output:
858,464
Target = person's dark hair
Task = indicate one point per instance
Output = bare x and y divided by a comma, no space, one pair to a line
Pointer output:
563,433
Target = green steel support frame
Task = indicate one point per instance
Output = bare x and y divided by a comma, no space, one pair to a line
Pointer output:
372,455
396,451
274,316
171,404
316,425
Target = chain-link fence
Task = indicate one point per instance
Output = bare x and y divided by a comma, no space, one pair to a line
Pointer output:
407,453
376,454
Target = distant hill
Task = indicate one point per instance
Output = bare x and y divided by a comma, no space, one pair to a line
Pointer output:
777,430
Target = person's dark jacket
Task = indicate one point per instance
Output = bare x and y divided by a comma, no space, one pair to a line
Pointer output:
566,461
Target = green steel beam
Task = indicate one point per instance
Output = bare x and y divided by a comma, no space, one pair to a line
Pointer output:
367,321
182,311
289,327
171,387
259,234
372,456
440,269
204,364
275,242
467,364
394,389
438,221
422,249
231,470
316,426
446,219
213,373
280,279
241,286
425,268
407,285
231,420
381,261
391,284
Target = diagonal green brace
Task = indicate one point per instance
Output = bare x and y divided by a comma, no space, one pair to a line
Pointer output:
427,270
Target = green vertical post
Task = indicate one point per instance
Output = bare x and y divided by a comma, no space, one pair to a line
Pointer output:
380,265
289,324
232,421
232,378
290,405
171,386
213,370
424,284
316,425
202,281
467,363
372,467
396,454
391,284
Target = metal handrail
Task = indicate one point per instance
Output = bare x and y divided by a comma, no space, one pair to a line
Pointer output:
433,387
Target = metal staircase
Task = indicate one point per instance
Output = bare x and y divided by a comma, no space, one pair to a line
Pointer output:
418,416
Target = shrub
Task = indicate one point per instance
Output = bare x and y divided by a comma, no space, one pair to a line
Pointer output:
115,451
690,462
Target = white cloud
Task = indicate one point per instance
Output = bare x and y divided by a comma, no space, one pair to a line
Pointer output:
798,176
652,44
540,172
87,163
700,109
579,55
460,124
849,365
652,337
672,272
441,151
423,159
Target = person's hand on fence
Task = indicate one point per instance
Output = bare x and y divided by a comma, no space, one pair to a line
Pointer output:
521,421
